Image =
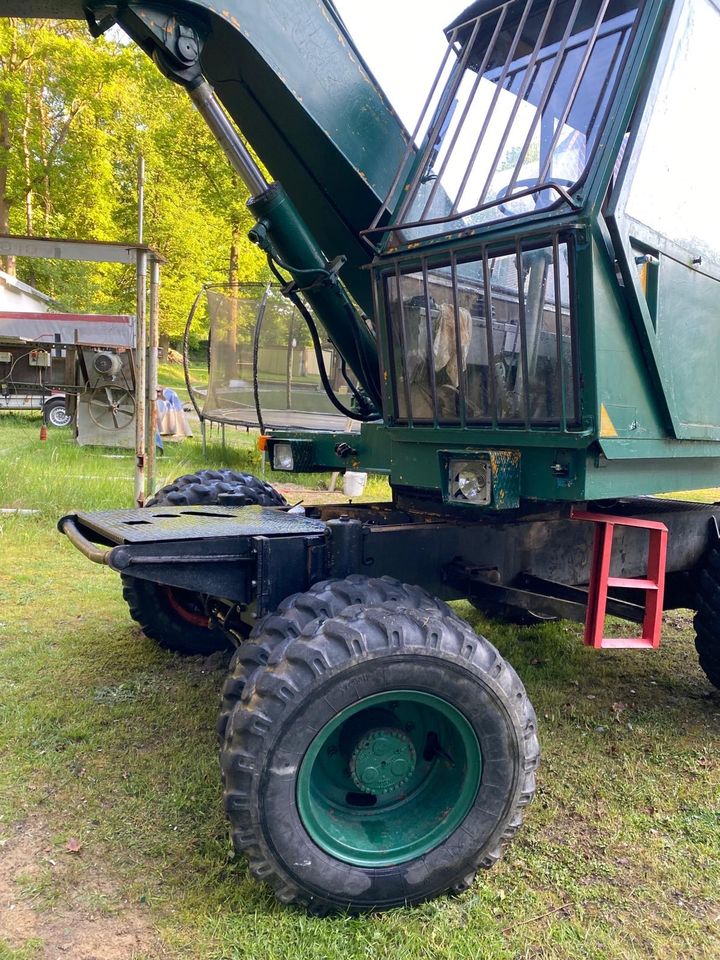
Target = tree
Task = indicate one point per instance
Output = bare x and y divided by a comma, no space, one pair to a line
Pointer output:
74,116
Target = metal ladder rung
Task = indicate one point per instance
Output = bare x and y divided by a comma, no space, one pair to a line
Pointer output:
631,584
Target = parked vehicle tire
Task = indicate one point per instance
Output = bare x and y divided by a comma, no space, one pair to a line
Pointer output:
55,413
206,486
177,619
707,617
378,759
321,602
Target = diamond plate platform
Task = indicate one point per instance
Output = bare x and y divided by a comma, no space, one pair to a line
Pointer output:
151,524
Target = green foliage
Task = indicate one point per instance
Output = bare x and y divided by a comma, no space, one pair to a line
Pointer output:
75,114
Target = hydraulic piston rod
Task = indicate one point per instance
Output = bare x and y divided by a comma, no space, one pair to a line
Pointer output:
176,45
282,233
204,98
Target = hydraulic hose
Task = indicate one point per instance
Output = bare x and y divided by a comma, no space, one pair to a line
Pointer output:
317,346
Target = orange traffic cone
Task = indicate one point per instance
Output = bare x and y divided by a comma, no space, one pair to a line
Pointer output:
43,432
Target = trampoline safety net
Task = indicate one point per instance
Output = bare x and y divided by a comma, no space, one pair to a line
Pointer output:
250,319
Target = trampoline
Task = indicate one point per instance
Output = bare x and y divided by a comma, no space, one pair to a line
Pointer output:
263,370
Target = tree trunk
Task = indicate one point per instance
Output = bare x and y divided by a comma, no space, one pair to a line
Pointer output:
28,189
8,263
47,203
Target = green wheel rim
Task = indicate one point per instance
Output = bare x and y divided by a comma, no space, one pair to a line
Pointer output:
389,778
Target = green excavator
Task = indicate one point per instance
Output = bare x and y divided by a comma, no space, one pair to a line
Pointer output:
524,291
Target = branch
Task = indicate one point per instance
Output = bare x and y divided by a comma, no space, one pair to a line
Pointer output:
541,916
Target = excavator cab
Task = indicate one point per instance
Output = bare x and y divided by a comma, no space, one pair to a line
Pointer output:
543,229
509,131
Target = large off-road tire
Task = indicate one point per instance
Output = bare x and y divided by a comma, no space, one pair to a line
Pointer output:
177,619
707,617
378,759
322,601
206,486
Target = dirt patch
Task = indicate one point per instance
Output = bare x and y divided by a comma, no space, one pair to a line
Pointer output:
295,493
36,907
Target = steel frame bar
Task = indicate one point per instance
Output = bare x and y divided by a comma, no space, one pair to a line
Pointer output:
141,377
466,110
522,324
430,343
461,367
438,120
559,342
589,50
544,97
491,109
385,206
490,338
529,71
403,347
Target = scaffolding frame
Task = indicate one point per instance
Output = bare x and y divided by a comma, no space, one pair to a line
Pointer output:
142,257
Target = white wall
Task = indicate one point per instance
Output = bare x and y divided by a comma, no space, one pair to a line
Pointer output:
18,296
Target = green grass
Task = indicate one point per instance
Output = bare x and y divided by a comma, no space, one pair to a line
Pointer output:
56,475
172,375
109,741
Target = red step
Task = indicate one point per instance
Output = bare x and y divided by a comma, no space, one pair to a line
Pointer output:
653,584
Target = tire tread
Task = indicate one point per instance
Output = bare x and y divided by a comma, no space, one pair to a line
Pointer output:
707,616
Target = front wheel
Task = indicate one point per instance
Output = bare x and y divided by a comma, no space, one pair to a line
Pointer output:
379,759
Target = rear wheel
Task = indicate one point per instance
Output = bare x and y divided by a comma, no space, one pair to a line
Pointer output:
378,759
207,486
178,619
707,618
175,619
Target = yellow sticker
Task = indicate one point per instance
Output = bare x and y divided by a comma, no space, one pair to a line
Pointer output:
607,427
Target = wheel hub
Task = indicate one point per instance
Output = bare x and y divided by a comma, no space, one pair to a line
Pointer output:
388,778
382,761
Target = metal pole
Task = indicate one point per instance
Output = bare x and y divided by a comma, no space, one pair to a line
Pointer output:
141,198
140,374
152,374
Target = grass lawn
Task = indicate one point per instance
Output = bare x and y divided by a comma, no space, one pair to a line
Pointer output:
112,839
173,375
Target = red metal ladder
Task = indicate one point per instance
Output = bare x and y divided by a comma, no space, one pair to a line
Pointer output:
653,584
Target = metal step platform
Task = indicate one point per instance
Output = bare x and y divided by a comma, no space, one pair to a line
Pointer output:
162,523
